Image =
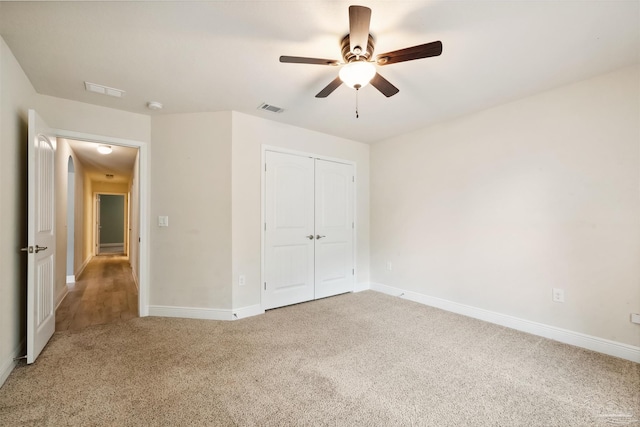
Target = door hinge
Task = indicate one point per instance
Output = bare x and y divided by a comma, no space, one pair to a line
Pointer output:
353,179
265,167
353,225
353,271
265,226
265,286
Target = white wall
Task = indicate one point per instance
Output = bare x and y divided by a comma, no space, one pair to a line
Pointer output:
16,94
191,184
494,209
92,119
206,177
249,134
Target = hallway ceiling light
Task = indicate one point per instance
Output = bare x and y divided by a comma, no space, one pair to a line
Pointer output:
154,105
104,149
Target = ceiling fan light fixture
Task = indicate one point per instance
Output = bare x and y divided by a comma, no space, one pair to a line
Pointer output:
357,74
104,149
357,49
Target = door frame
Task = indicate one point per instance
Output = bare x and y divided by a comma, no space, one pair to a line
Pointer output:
144,194
263,183
97,220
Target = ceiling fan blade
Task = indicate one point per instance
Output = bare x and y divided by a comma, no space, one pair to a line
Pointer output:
359,20
384,86
302,60
408,54
329,88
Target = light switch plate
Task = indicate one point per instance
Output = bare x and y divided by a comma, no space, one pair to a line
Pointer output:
635,318
558,295
163,221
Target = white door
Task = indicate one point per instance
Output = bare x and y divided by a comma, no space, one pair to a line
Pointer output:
41,237
334,264
289,230
308,229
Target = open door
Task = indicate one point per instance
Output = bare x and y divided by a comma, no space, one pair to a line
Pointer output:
41,247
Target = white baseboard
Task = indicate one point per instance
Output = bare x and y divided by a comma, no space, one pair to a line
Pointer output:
135,280
362,286
601,345
205,313
190,312
252,310
83,266
61,296
7,365
71,279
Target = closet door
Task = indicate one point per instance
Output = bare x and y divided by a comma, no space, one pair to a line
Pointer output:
289,230
334,228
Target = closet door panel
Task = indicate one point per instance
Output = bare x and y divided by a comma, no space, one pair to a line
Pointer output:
334,263
289,228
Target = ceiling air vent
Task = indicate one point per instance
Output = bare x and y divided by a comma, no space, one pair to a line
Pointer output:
104,90
269,107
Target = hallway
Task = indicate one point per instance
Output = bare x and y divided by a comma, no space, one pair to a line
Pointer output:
105,293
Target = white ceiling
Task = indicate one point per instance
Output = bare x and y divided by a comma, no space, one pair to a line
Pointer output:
223,55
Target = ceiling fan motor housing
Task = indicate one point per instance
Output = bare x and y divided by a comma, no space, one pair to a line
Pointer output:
349,56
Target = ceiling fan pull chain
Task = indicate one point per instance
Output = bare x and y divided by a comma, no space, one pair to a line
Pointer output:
357,91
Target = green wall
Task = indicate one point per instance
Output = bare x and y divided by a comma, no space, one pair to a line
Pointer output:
111,218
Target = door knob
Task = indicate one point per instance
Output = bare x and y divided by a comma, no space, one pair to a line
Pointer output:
40,248
319,236
310,237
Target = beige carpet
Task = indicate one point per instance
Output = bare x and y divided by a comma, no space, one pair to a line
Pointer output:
363,359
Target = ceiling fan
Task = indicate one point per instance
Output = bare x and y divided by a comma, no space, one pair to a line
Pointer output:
358,68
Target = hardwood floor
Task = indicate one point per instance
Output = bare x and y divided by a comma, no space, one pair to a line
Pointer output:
104,293
113,250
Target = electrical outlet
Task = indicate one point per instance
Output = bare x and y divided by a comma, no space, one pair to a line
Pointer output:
241,280
389,266
635,318
558,295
